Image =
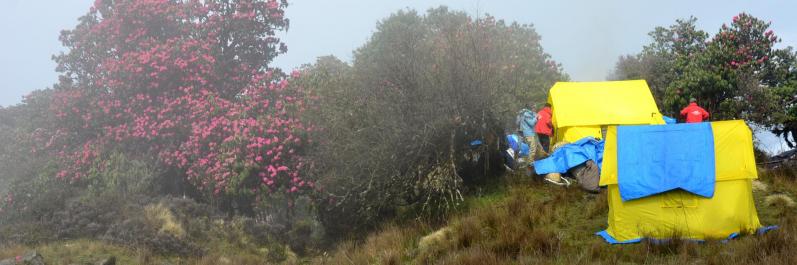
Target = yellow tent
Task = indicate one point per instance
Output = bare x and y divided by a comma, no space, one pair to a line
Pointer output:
678,213
581,108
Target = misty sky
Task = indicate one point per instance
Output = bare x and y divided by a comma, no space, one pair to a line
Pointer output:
586,36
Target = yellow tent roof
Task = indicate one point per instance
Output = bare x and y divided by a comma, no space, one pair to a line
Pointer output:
603,103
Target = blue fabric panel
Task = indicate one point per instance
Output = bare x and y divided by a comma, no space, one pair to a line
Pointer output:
513,141
571,155
609,239
763,230
652,159
669,120
518,145
524,150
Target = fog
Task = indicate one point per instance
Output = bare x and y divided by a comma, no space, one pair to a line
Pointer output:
585,36
172,140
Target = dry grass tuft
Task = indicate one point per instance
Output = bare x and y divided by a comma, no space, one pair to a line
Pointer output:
759,186
392,245
161,216
779,200
11,251
525,223
533,223
434,242
473,256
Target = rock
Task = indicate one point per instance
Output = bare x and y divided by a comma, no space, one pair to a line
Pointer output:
108,261
93,227
33,258
8,262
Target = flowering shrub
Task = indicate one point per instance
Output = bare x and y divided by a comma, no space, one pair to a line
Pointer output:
737,73
186,83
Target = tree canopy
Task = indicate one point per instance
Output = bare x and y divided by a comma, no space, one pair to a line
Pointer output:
737,73
398,120
182,84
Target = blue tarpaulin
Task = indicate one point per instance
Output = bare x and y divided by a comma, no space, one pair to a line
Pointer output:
652,159
669,120
516,143
571,155
609,239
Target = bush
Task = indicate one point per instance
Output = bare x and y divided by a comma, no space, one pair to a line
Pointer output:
395,124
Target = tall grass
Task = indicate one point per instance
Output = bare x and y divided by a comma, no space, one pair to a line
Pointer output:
525,222
532,223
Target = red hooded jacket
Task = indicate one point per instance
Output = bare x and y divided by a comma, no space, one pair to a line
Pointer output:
544,125
694,113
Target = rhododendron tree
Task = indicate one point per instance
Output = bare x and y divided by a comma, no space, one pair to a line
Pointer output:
672,47
185,84
738,73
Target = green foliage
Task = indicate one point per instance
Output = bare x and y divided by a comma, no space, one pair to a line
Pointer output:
396,122
27,186
672,49
119,174
731,76
736,74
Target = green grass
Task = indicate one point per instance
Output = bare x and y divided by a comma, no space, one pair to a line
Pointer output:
517,222
92,251
531,223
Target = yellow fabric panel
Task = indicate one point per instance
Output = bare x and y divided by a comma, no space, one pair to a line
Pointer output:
602,103
575,133
609,166
682,214
657,119
733,152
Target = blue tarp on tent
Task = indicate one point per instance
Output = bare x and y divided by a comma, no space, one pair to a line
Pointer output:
652,159
669,120
571,155
609,239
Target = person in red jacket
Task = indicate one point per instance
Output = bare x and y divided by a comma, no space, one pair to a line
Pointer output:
693,112
544,127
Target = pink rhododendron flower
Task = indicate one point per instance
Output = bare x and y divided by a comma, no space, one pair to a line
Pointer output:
159,92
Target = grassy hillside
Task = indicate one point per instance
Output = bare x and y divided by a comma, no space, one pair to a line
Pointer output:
520,221
533,223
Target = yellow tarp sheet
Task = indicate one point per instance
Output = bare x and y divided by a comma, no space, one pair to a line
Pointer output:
679,213
603,103
733,152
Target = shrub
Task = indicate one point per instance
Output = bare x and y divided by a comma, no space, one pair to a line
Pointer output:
182,89
395,124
